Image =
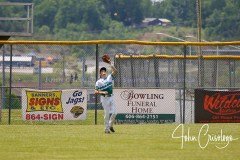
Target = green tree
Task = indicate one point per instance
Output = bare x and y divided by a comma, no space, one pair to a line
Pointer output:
179,12
147,8
224,22
15,102
45,13
128,12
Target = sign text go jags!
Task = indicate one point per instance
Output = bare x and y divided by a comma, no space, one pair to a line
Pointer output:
145,105
54,105
75,98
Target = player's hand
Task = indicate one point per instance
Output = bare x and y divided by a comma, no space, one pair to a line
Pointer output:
96,92
101,92
105,92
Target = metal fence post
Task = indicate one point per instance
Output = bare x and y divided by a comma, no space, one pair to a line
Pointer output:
230,73
214,74
97,68
83,71
40,74
180,104
10,88
184,82
234,72
169,73
63,66
132,72
3,82
156,70
180,84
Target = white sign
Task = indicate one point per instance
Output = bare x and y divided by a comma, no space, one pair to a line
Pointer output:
45,105
145,101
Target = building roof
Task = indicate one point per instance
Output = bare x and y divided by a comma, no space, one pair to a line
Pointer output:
17,58
146,20
164,20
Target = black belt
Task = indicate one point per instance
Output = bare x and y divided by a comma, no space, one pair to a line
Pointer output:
107,95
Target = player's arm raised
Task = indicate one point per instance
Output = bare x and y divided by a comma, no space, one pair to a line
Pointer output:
114,70
106,58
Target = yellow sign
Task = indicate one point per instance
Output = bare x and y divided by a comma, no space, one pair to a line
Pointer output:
44,101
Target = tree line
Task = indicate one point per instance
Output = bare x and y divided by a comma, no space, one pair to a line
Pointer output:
114,19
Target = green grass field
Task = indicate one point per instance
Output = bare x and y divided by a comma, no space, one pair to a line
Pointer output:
87,141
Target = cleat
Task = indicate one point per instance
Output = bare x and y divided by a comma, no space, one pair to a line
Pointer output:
111,129
107,131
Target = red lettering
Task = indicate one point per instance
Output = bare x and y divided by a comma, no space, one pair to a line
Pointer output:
36,102
31,101
53,116
57,101
222,104
44,101
50,101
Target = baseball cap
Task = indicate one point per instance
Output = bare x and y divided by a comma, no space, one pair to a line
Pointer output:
103,69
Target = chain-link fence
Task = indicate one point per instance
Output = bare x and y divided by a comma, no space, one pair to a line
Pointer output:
180,66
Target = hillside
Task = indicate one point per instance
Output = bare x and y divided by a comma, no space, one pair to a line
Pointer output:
114,19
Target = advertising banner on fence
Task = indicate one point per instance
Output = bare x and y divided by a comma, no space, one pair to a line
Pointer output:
145,105
48,105
218,106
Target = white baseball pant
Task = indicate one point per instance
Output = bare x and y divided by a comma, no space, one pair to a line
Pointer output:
109,109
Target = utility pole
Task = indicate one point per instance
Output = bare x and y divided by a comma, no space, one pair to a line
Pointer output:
200,58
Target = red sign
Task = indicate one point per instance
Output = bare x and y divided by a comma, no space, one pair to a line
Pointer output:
217,106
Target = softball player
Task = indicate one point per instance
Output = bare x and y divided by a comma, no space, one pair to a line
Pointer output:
104,87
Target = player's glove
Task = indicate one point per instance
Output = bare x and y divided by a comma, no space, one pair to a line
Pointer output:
106,58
